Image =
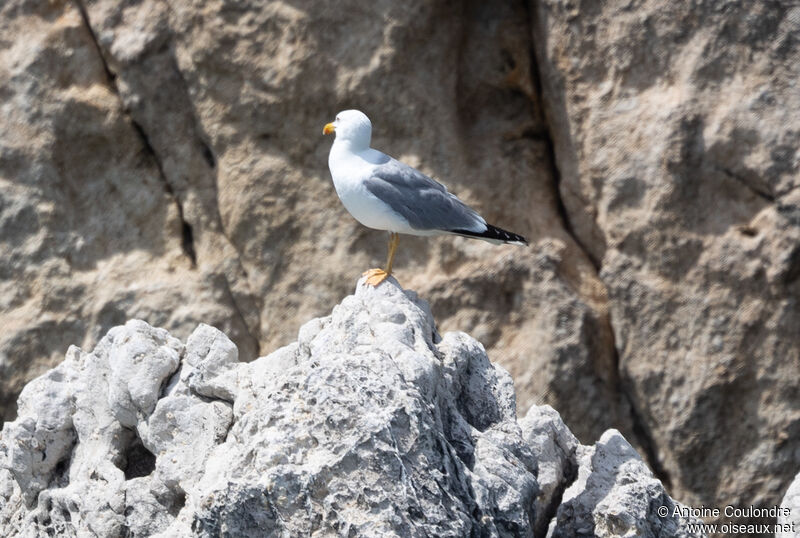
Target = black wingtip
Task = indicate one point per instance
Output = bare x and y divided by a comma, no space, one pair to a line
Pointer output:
493,233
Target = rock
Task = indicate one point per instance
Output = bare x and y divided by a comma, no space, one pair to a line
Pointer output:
209,368
675,134
370,424
44,436
789,518
556,448
131,445
615,494
141,358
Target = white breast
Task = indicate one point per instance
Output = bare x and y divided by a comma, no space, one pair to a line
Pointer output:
349,172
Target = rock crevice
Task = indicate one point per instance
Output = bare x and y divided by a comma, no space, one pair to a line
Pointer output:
546,135
145,102
187,235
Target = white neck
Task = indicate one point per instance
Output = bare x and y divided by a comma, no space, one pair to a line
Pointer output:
352,145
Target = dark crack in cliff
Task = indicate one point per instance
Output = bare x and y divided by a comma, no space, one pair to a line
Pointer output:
639,426
187,234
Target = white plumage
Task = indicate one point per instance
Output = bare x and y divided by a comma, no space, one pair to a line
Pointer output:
350,170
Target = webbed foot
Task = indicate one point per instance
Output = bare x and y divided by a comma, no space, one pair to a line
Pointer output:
375,276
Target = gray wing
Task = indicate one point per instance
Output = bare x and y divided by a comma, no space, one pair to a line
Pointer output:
423,202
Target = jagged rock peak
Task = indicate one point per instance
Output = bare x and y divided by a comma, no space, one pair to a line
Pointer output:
371,424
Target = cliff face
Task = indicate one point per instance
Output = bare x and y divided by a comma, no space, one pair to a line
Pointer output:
371,424
679,168
163,161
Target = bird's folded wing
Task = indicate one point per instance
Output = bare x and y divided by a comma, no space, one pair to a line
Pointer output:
423,202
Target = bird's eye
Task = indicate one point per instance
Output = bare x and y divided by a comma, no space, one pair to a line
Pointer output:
337,118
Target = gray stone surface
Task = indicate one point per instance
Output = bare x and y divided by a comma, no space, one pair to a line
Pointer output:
556,448
676,136
616,495
790,521
370,424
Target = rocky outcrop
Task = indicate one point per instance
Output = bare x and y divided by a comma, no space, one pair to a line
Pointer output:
615,494
370,424
162,161
676,139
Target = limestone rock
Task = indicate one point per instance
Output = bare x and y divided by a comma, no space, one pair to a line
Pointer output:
140,360
556,449
209,367
615,494
44,436
676,138
370,424
790,521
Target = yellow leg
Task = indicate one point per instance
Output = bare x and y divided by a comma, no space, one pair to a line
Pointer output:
376,276
394,238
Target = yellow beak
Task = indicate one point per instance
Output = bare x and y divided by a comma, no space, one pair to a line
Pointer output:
328,129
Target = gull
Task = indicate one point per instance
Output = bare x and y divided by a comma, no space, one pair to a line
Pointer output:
384,194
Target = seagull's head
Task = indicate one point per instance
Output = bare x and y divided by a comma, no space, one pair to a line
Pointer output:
352,126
